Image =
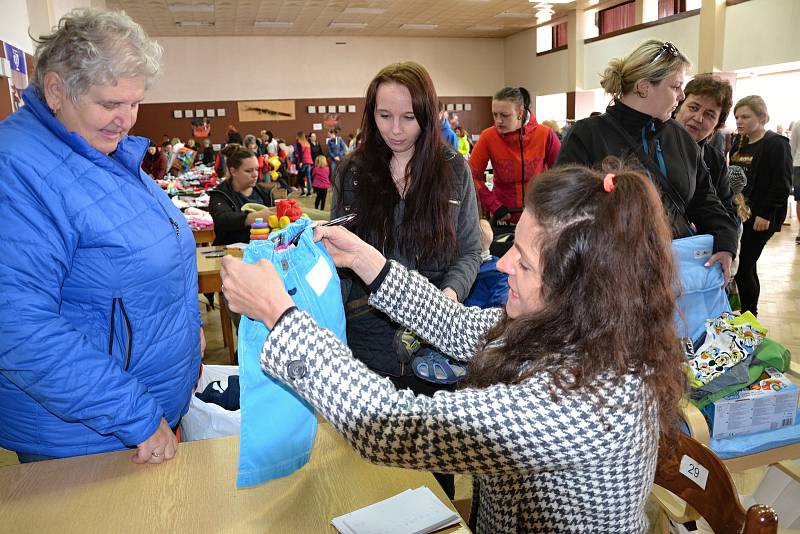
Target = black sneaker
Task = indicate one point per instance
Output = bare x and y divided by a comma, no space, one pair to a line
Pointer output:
797,240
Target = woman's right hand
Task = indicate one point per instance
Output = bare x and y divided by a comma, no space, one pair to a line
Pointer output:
350,252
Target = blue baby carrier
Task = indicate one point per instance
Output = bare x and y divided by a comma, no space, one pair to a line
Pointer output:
702,294
278,427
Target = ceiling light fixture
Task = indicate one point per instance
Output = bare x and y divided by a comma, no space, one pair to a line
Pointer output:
484,28
191,8
272,24
514,15
364,11
413,26
192,23
348,25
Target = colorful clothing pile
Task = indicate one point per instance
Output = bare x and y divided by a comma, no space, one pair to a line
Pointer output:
729,340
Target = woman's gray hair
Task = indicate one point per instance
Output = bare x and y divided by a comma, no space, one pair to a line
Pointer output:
91,47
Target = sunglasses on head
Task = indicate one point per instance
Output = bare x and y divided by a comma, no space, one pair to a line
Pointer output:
666,48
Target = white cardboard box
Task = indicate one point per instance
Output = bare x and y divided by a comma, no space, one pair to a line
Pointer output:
768,404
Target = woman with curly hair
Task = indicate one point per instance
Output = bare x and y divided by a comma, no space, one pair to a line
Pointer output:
570,385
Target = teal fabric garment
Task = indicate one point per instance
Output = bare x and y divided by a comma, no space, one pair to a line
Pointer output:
278,427
702,293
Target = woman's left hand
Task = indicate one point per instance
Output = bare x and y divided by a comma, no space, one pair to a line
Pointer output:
760,224
254,290
450,293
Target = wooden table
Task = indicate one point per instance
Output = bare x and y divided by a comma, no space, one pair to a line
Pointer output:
204,237
209,281
196,493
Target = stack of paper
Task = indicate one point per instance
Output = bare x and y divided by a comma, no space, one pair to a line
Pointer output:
416,511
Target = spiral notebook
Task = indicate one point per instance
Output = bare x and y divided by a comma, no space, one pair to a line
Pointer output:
416,511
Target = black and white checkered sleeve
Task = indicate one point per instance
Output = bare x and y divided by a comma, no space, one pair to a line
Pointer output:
494,430
411,300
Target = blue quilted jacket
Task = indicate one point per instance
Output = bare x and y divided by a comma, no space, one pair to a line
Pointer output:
99,323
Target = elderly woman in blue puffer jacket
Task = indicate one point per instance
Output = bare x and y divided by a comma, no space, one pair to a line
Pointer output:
100,338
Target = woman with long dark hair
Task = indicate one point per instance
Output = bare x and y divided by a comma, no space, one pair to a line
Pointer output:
414,201
569,387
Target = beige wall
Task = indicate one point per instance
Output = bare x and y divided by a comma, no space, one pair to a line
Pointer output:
237,68
542,75
761,32
684,33
14,25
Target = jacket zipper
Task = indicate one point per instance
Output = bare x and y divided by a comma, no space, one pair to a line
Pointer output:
128,331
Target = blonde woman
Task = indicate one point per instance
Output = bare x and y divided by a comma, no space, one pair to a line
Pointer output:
767,161
647,86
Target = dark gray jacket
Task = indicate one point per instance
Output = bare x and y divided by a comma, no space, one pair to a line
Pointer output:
370,333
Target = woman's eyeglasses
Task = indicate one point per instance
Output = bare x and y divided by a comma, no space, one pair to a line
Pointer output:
666,48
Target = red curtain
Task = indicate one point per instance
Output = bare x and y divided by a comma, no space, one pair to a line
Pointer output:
667,8
559,35
617,17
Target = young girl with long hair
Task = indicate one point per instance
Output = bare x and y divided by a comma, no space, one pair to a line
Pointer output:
414,201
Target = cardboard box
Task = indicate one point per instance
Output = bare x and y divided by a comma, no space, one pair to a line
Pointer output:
768,404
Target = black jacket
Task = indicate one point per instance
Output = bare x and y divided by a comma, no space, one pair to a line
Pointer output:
718,173
591,140
769,179
229,220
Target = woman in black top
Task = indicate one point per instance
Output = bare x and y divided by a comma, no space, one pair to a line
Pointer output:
231,224
767,160
637,128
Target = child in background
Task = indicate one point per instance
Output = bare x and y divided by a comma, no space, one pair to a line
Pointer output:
490,289
321,176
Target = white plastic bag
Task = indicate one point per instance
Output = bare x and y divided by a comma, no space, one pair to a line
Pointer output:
205,420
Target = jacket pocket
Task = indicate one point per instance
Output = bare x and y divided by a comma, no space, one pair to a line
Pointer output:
127,331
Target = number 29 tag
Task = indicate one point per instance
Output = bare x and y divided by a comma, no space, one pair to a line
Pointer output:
695,472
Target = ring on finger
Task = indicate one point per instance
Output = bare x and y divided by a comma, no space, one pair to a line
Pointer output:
156,454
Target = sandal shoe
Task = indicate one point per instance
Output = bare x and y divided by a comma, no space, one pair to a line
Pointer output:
433,366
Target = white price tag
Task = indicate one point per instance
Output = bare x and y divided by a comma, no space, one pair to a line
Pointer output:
319,276
695,472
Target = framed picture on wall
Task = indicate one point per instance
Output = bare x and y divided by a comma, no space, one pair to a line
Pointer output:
459,107
468,107
331,109
351,108
200,113
188,113
311,109
177,114
220,112
211,113
450,107
342,109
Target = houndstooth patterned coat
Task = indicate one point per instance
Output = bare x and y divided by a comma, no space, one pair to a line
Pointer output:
541,466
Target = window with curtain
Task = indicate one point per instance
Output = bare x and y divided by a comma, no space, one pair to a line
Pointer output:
559,34
667,8
616,18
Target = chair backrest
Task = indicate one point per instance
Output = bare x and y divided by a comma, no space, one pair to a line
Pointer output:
696,475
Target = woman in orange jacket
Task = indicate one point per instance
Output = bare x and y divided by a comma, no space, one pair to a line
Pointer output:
515,138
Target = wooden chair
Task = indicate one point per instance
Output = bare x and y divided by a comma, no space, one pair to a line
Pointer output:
715,499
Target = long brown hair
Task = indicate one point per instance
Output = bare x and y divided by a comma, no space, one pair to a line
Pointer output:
608,288
428,229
